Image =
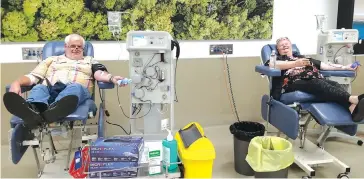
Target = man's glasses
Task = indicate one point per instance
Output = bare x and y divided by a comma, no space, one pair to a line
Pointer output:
76,46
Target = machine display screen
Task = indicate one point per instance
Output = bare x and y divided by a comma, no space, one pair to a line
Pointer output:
338,36
139,40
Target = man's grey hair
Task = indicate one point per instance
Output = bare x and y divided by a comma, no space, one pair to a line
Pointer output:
74,37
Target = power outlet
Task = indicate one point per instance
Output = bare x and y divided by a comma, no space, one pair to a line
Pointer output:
218,49
32,53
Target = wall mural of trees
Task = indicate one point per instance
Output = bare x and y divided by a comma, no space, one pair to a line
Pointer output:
46,20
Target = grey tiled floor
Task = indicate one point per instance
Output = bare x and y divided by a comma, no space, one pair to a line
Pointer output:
349,153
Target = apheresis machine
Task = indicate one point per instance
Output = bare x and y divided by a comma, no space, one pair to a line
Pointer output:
152,71
152,94
335,46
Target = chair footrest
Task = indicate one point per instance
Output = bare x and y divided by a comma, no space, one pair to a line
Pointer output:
330,114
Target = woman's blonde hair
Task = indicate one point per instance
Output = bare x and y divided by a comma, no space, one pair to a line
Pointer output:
282,38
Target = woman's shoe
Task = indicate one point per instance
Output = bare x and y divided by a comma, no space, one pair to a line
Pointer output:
360,97
358,113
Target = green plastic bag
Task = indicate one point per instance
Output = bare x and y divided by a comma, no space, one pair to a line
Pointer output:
269,154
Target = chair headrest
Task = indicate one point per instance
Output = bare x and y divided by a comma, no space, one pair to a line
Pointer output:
57,48
267,50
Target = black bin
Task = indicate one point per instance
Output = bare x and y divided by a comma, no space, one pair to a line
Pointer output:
243,132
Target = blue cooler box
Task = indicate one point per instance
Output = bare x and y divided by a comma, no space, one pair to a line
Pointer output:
119,169
117,149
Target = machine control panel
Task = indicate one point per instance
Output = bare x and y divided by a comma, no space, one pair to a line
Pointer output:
151,66
156,40
343,36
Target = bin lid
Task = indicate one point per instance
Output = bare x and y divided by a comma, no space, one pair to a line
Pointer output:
201,149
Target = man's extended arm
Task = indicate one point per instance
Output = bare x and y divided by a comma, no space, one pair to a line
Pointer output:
24,81
101,74
32,78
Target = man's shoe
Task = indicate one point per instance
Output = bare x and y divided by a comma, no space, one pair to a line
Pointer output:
19,107
358,113
60,109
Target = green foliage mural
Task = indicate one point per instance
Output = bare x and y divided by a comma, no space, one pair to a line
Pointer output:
45,20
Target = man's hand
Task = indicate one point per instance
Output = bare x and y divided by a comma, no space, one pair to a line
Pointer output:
302,62
15,88
116,79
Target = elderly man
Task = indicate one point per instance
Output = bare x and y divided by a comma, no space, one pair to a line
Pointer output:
63,83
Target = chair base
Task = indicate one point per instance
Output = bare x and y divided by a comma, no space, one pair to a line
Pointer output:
312,156
308,155
19,144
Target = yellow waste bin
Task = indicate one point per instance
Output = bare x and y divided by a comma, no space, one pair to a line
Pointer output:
198,156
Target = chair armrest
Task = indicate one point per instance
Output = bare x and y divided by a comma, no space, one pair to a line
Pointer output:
341,73
23,88
265,70
103,85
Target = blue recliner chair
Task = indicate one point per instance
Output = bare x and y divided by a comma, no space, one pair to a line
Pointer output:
285,114
21,138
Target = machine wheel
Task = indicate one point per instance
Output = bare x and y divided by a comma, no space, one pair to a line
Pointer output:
343,176
360,142
306,177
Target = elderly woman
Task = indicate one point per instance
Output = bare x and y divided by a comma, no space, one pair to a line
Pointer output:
302,74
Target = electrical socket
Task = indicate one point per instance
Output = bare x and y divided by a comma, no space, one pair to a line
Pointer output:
165,124
32,53
218,49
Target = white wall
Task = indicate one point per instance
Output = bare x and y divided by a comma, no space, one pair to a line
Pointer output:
359,10
292,18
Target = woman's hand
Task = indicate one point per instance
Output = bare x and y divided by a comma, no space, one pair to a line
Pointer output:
348,67
302,62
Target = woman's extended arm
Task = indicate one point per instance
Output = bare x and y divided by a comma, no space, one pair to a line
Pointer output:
325,66
284,65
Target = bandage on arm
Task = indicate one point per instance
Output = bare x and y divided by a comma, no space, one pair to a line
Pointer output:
33,80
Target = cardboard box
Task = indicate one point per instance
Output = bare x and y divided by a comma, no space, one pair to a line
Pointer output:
117,149
113,169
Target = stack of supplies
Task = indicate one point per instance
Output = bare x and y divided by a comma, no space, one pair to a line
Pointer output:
115,156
